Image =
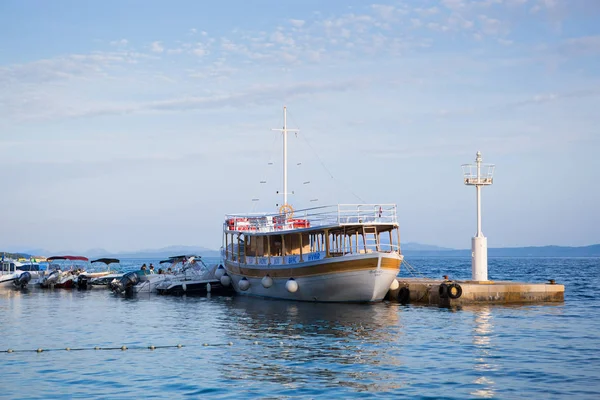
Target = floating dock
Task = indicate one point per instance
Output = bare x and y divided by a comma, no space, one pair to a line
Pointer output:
446,293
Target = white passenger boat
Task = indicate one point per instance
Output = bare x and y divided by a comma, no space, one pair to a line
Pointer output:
340,253
14,274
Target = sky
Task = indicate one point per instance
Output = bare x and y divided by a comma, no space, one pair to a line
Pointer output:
128,125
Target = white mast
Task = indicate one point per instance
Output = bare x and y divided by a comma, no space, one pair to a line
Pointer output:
285,130
473,177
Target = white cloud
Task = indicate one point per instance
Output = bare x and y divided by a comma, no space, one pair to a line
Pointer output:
427,11
119,43
297,23
491,26
279,38
157,47
587,45
454,4
384,11
416,22
200,50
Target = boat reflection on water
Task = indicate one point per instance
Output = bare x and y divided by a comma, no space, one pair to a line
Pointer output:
325,344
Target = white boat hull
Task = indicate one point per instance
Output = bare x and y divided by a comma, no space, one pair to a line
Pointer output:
354,278
149,283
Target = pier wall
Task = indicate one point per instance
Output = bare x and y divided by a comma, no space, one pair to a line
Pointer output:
427,291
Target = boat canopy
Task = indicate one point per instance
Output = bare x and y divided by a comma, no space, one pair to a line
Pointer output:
70,258
107,260
178,259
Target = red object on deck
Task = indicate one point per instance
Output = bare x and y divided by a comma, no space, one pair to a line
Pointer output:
239,224
300,223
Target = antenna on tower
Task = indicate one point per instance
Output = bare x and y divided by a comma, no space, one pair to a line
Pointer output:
478,175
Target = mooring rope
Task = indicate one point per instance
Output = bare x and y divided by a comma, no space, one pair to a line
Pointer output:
412,270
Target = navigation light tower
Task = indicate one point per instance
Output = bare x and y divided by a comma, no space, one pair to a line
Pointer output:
478,175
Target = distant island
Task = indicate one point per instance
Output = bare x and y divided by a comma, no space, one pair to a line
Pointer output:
416,249
161,253
408,249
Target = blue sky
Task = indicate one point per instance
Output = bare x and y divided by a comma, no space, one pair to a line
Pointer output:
139,124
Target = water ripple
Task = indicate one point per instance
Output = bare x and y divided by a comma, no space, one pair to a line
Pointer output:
284,349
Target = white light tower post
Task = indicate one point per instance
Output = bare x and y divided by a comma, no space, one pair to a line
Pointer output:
478,175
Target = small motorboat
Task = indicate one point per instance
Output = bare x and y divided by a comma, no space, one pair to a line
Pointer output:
133,282
63,271
194,278
88,280
12,277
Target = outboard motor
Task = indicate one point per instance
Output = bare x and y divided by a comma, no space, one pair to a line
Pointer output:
125,283
82,282
50,279
23,279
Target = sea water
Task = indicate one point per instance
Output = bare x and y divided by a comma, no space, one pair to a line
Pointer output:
239,347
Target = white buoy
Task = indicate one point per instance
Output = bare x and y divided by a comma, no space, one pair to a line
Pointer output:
208,287
225,280
219,272
267,281
291,285
394,285
244,284
184,286
474,176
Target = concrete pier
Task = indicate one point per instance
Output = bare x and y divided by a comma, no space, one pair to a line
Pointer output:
448,293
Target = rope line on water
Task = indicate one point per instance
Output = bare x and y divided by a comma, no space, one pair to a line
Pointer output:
121,348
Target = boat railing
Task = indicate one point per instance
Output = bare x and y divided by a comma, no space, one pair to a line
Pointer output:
341,214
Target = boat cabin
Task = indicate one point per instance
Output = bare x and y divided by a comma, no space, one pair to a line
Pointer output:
8,267
319,233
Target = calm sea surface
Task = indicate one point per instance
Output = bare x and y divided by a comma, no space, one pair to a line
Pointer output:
286,349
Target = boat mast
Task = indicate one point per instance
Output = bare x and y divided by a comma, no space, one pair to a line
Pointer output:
285,130
285,192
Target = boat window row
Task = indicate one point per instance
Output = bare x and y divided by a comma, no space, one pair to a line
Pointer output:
294,247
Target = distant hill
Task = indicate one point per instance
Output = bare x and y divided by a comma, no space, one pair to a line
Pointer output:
408,249
531,251
14,256
411,246
163,252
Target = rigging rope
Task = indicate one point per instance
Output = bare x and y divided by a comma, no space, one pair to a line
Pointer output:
269,172
338,183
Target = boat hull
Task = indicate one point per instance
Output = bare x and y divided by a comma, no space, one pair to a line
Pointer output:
148,283
195,288
353,278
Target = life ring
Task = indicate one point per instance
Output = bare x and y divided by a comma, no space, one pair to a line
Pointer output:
454,291
404,295
443,291
287,210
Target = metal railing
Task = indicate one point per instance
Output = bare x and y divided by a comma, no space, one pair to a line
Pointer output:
341,214
486,176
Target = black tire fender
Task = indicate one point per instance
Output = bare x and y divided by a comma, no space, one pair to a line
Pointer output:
404,295
443,290
454,291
